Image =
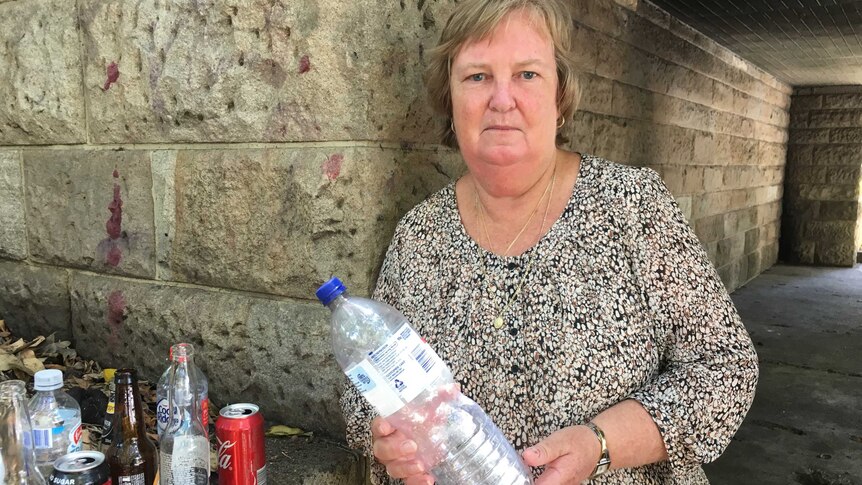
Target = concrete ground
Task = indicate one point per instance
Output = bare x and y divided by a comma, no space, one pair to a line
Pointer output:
805,426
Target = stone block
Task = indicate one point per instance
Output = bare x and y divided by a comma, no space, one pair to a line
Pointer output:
34,300
743,151
662,144
600,15
163,166
684,204
842,101
843,118
40,74
91,209
13,237
258,70
801,103
771,154
713,178
835,155
836,254
801,154
808,136
752,239
828,192
722,96
799,120
596,94
753,265
729,249
839,211
683,180
272,352
848,174
632,102
806,174
767,213
710,229
281,221
831,232
846,135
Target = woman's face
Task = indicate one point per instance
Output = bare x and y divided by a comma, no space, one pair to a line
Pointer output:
504,98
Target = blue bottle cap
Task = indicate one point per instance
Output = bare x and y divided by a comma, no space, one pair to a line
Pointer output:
330,290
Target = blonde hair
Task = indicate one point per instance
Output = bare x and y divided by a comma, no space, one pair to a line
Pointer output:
476,20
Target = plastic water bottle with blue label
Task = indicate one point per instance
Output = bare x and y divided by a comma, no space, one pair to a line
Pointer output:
409,385
56,420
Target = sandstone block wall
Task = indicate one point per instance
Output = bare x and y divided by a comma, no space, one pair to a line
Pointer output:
822,223
193,170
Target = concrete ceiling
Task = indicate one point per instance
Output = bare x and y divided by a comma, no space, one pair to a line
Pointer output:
801,42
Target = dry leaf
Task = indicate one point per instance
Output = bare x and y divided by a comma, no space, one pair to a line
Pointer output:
33,365
9,361
36,342
281,430
16,346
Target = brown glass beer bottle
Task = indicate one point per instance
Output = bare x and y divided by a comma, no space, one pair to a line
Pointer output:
132,456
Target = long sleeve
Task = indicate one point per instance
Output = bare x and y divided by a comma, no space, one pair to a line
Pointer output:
709,371
357,412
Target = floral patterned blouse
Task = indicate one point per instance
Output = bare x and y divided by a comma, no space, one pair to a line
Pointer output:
621,302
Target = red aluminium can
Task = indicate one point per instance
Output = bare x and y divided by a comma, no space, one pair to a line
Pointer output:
241,453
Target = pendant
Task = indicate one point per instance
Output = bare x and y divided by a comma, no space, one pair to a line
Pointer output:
498,322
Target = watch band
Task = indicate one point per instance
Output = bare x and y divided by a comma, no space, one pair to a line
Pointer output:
604,462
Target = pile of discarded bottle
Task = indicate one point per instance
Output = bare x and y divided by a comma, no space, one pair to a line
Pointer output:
41,440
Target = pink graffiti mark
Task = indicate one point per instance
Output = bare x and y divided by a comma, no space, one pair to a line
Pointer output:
114,226
304,65
332,166
115,316
113,75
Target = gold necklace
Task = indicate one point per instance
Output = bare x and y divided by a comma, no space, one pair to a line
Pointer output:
498,321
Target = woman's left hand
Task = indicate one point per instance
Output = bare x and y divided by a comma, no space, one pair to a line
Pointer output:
569,456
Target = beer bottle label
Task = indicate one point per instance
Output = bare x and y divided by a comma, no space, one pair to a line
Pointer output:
138,479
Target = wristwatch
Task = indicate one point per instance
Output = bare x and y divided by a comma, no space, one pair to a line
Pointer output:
604,462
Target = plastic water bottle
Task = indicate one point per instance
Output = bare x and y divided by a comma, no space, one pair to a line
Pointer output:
56,419
410,386
17,459
162,415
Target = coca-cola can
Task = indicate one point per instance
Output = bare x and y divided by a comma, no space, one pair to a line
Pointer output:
81,468
241,452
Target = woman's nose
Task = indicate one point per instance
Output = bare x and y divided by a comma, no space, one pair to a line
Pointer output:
501,98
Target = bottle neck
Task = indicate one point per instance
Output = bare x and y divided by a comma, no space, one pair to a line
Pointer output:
128,413
182,395
338,301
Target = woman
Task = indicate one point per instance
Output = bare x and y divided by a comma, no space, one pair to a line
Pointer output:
567,293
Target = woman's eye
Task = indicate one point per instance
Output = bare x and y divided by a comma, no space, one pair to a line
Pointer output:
529,74
477,77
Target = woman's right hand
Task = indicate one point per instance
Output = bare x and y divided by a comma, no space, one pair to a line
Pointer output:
397,453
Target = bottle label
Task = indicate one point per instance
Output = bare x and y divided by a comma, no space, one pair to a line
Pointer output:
261,476
75,434
190,461
162,415
165,469
205,413
397,371
138,479
43,438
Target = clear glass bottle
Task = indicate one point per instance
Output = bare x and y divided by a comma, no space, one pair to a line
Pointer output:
56,420
132,456
185,452
17,457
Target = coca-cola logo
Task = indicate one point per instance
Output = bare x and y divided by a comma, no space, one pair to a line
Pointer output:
224,454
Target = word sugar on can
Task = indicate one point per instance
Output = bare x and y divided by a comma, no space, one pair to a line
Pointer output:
241,453
81,468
